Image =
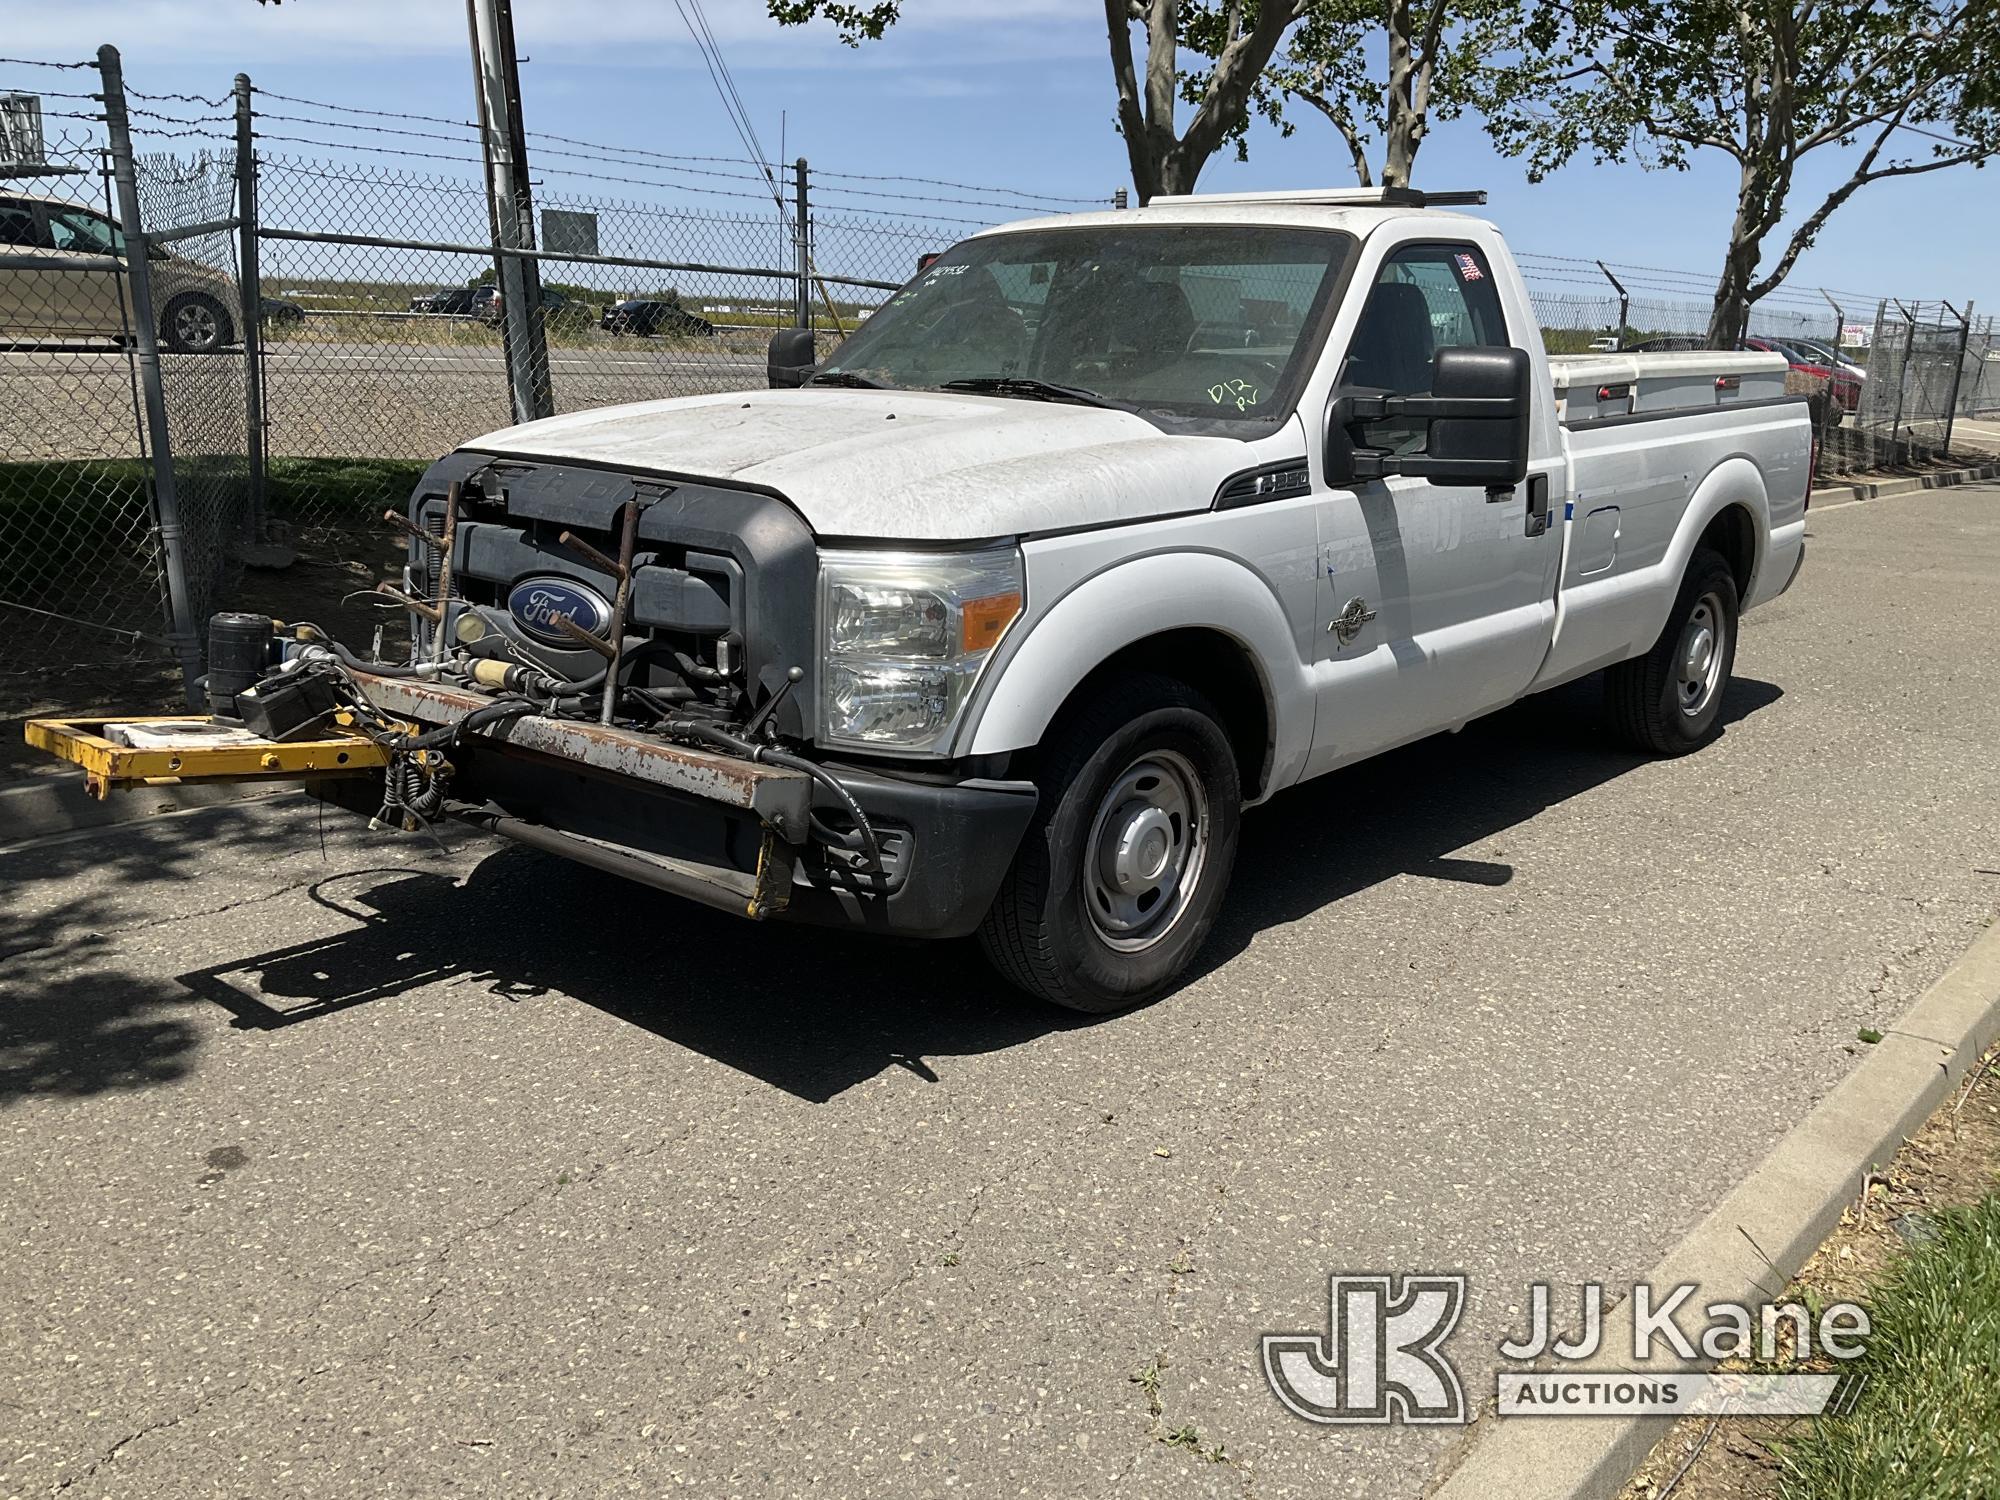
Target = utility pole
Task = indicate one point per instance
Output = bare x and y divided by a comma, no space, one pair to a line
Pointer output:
496,79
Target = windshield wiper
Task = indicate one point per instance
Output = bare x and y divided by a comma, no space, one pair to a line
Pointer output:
849,378
1029,389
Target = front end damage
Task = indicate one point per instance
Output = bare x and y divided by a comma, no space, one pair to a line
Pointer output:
619,670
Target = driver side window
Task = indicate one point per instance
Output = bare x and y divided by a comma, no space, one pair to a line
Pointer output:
1426,297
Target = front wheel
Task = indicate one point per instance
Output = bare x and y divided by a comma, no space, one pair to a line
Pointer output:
1669,701
194,323
1123,869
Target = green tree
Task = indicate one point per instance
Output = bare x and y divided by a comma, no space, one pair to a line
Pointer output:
1437,59
1896,87
1231,44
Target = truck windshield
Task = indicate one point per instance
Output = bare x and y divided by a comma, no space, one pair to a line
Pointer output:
1195,327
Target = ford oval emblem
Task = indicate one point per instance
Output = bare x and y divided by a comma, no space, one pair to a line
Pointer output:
538,603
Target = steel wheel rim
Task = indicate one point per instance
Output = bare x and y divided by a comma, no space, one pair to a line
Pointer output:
1704,642
194,324
1147,848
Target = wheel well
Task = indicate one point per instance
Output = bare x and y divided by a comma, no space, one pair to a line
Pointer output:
1218,668
1733,533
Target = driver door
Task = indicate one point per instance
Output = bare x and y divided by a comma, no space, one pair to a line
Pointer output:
1437,599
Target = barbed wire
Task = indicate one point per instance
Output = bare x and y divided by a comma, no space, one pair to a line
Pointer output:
970,187
40,93
355,109
759,170
222,103
36,62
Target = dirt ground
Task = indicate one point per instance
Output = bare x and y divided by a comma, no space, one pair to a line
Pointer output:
1954,1159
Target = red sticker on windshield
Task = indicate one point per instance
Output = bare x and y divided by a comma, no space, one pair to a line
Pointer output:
1468,268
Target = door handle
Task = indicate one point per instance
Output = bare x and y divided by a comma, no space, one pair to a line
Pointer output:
1537,523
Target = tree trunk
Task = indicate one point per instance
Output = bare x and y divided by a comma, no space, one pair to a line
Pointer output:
1729,317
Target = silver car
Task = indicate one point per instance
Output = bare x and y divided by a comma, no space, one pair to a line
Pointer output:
62,276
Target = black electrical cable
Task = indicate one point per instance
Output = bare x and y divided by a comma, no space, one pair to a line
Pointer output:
715,734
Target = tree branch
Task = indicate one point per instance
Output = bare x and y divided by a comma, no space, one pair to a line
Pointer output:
1356,143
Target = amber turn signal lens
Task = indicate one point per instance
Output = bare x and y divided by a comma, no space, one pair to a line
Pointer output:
982,621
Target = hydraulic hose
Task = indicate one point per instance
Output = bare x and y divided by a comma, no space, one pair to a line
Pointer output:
864,832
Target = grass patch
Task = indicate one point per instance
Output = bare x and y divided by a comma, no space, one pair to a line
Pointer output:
81,506
335,491
1928,1423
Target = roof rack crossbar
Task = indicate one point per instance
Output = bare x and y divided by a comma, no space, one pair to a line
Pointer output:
1370,197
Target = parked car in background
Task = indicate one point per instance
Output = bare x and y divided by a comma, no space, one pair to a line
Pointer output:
66,279
555,305
1829,356
454,301
1606,345
275,310
1829,391
650,319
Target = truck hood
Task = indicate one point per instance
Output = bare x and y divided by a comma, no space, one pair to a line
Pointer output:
902,465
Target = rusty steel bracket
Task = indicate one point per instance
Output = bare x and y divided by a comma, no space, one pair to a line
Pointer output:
410,529
772,892
585,639
621,569
442,546
445,545
778,795
416,606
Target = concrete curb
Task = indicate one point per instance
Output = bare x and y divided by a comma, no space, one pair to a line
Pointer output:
40,807
1882,489
1783,1210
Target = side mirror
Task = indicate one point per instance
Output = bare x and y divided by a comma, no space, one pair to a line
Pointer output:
789,362
1477,413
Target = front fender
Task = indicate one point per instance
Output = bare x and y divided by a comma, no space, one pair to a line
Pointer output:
1125,604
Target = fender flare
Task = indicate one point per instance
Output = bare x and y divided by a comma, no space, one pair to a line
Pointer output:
1125,604
1735,481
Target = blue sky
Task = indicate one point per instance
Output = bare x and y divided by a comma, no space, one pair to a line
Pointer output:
1008,92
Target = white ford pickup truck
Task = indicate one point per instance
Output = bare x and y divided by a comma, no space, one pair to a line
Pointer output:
1100,531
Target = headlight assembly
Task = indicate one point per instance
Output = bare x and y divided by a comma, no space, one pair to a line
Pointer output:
903,638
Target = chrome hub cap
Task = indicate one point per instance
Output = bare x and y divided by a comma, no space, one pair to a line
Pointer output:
1147,846
1701,653
194,324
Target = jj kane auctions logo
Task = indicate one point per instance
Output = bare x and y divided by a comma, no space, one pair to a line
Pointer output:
1381,1358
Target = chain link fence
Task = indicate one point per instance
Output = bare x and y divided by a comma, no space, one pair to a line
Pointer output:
81,566
327,295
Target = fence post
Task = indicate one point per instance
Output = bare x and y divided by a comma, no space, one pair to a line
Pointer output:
1624,300
181,631
1839,320
250,281
1957,372
1902,377
498,86
802,244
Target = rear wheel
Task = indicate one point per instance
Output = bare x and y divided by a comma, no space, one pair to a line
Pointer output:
1669,701
194,323
1120,876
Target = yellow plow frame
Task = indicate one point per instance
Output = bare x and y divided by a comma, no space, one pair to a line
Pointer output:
107,766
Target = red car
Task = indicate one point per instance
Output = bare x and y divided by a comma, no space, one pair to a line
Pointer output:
1816,375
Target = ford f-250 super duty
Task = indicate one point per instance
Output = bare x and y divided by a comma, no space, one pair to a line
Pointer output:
1101,530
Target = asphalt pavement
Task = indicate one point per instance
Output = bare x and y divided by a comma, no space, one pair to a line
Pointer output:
333,1165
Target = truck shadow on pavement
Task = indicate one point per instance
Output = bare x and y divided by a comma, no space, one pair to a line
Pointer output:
74,1021
815,1012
